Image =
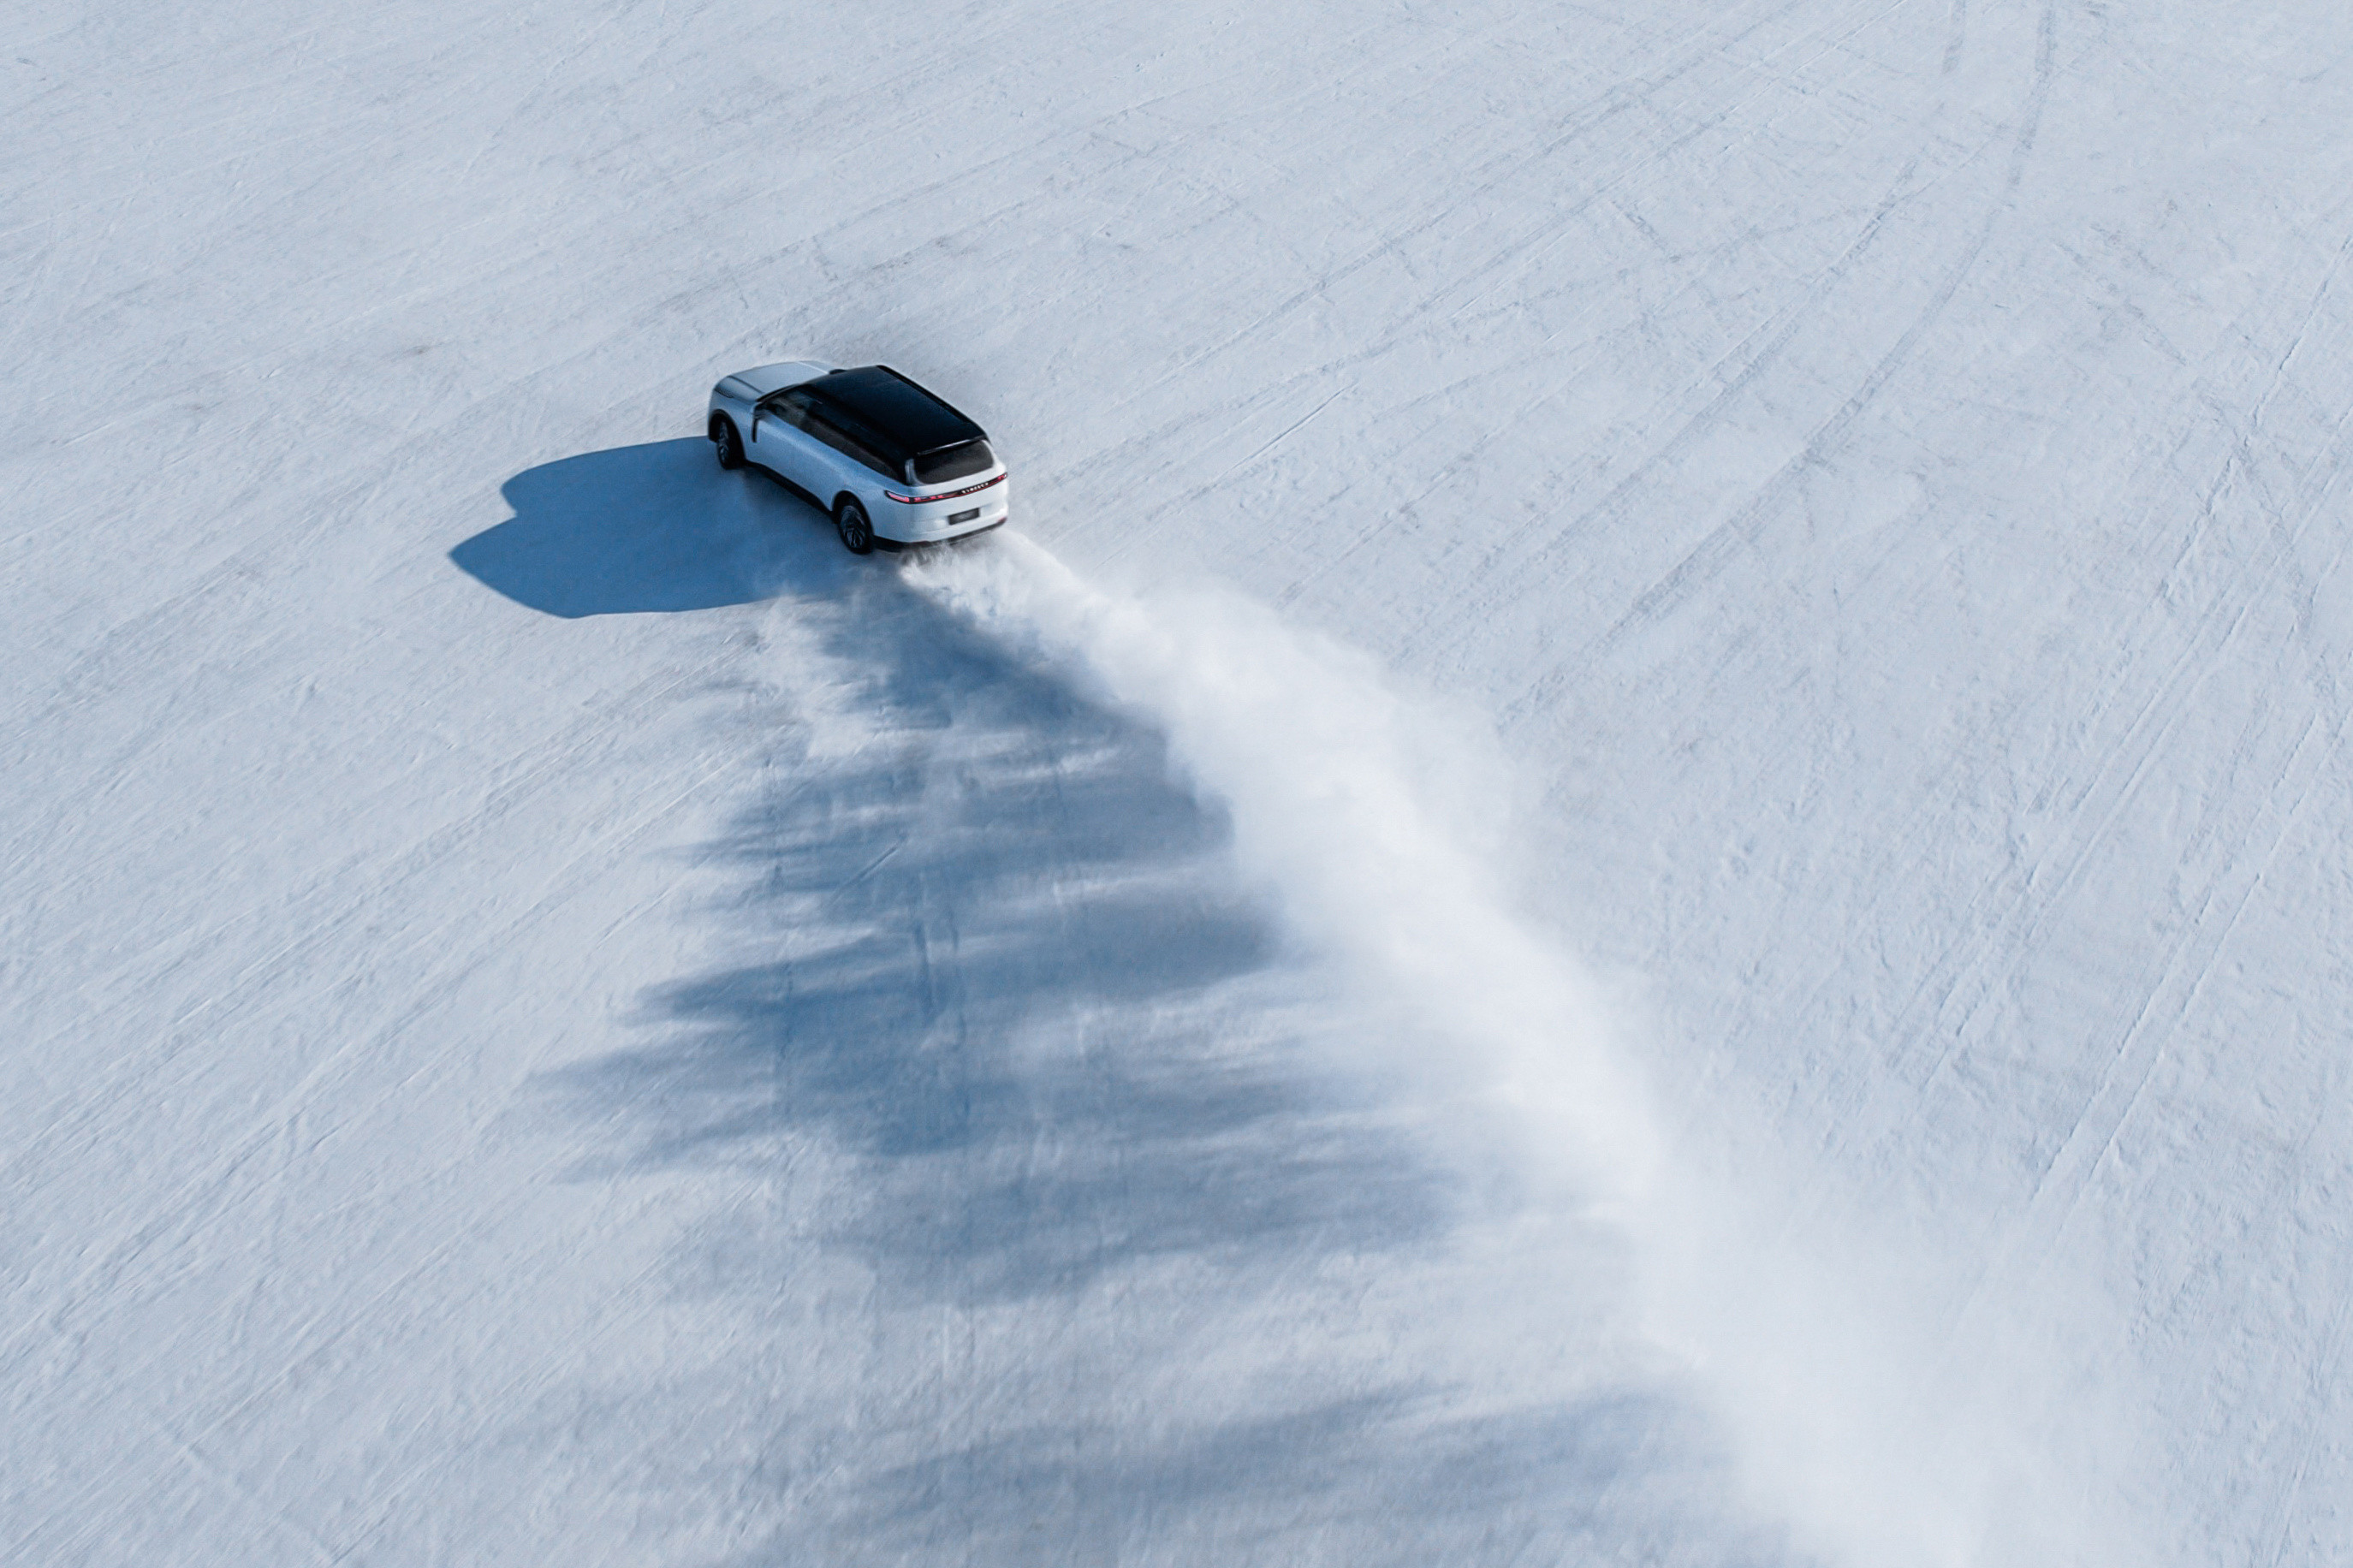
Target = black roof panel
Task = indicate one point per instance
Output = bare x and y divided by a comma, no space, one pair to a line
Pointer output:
896,409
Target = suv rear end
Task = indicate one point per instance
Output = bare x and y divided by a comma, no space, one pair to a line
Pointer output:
950,492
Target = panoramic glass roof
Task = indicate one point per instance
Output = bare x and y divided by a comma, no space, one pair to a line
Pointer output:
895,409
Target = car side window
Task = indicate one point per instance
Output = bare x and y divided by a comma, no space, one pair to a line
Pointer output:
791,408
836,434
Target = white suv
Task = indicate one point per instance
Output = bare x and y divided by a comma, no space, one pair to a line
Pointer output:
895,465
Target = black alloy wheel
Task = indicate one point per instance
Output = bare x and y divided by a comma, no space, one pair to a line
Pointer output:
857,533
730,445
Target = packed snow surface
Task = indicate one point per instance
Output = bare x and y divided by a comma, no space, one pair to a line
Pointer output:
1638,856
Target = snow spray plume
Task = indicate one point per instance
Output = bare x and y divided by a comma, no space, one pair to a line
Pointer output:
1332,783
1362,812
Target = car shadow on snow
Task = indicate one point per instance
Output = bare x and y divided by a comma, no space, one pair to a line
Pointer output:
648,528
999,1030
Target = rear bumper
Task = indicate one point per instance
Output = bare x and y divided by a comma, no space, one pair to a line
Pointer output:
902,545
943,516
939,521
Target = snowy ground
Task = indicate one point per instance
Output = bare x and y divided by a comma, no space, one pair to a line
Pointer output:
1640,860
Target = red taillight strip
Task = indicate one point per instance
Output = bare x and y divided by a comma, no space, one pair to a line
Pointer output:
947,495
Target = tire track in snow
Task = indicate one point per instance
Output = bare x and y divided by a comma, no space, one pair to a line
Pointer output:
1513,166
1715,551
1964,981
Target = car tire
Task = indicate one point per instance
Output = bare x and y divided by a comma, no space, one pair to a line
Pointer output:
849,522
730,445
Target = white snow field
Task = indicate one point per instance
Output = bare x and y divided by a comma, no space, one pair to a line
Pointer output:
1639,855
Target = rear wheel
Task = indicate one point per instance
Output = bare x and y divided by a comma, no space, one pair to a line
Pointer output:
849,522
730,445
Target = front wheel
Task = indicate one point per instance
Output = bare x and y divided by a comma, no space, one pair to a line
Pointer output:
730,445
857,533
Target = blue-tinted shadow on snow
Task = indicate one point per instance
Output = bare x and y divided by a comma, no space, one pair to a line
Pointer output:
1003,1031
658,526
998,928
1392,1477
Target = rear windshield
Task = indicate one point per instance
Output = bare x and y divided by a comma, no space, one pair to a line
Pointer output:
953,463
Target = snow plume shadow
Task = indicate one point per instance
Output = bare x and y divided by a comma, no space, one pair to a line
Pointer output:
1386,1479
1079,1237
954,899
